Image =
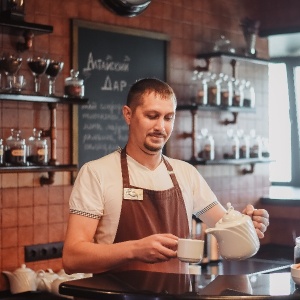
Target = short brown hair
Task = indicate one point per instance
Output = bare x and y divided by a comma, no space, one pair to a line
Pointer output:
148,85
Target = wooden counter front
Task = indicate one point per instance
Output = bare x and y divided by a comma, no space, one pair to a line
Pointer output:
131,285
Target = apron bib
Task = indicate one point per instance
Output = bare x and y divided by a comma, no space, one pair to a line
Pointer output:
145,212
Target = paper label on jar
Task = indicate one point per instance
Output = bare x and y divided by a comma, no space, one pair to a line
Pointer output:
17,152
42,151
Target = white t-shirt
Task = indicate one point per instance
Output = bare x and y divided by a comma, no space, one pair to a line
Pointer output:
98,190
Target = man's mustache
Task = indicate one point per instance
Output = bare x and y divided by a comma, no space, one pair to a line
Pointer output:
158,134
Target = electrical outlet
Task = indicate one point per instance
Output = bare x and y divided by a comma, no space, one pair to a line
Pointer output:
43,251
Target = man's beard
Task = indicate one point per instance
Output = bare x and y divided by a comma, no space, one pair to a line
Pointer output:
152,148
158,148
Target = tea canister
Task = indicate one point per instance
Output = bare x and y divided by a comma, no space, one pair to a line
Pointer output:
37,148
74,87
15,150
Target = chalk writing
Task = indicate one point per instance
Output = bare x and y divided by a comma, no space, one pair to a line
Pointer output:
106,65
110,85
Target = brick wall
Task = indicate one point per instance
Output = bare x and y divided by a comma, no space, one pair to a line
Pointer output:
31,214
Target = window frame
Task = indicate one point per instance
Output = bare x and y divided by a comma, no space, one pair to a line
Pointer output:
291,63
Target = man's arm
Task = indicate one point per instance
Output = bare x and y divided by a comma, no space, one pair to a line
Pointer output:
82,255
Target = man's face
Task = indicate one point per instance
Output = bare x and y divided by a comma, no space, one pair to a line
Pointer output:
151,124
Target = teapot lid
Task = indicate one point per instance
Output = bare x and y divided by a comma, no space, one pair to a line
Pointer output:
23,269
231,217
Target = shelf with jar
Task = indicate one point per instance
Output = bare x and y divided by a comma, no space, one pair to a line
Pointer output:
205,58
204,155
239,149
51,166
20,155
31,97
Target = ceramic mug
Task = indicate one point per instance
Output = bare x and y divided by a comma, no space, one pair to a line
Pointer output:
190,250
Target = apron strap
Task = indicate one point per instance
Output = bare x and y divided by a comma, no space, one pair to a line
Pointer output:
125,173
124,166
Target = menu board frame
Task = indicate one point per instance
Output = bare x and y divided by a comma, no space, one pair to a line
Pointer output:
115,35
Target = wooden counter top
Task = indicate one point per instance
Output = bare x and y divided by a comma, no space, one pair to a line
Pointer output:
131,285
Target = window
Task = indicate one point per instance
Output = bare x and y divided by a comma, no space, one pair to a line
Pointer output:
284,98
279,124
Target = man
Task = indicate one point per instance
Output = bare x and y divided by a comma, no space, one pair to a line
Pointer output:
128,208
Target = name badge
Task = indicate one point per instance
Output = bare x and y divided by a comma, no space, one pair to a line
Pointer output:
133,194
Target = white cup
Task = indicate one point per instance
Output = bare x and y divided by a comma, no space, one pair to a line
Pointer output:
190,250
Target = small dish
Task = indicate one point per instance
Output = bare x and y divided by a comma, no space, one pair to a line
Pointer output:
295,273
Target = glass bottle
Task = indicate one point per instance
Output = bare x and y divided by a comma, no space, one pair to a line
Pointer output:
297,250
232,146
225,90
255,145
207,148
15,151
73,85
201,94
265,152
244,144
238,93
37,150
212,88
249,95
1,152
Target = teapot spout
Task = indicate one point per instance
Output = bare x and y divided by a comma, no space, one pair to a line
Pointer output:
216,232
8,274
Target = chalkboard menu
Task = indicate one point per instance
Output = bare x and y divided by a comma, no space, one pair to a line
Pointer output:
110,59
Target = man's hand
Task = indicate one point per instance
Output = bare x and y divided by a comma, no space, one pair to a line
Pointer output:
156,248
260,219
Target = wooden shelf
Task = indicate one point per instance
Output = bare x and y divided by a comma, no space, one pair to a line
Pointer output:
192,107
252,59
241,161
29,97
234,162
17,27
23,29
37,169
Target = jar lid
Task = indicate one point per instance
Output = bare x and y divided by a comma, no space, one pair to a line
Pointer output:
73,79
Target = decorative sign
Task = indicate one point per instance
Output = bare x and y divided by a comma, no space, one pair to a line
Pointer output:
110,59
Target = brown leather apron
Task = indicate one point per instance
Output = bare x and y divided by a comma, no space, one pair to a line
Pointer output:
157,212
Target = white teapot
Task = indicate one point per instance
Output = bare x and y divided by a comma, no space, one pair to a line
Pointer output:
21,280
45,279
236,235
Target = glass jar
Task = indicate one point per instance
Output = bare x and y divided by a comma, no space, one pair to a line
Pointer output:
207,148
238,93
244,144
249,95
15,150
1,152
74,86
297,251
201,93
255,145
225,90
265,152
212,90
37,150
232,146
